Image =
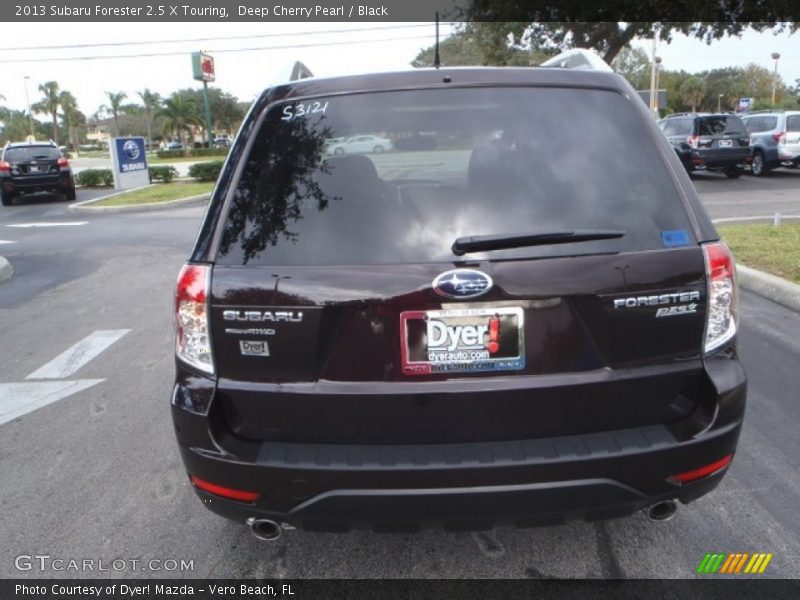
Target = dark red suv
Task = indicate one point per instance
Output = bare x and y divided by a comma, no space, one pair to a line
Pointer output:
468,329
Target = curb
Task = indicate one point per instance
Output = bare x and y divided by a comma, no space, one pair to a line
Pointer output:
6,270
86,205
769,286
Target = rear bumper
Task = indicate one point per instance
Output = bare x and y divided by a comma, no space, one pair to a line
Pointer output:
51,183
719,160
337,487
789,153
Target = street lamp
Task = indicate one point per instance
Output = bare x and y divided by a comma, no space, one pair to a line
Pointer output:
658,82
28,102
775,57
719,102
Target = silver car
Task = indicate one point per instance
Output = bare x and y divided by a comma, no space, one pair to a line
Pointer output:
774,139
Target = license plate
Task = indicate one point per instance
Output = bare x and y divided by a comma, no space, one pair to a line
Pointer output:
35,169
725,143
467,340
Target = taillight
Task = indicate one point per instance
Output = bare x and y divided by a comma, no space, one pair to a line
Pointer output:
779,137
224,492
63,162
4,166
723,296
705,471
693,141
192,342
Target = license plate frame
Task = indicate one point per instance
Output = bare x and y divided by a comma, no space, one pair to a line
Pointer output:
431,343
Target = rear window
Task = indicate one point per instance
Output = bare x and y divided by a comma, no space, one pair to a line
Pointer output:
720,126
678,127
793,123
757,124
31,153
396,177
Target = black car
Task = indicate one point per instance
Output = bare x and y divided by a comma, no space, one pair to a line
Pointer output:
472,332
31,167
712,142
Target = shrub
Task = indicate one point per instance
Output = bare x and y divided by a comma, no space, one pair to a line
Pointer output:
95,178
165,173
208,152
170,154
206,171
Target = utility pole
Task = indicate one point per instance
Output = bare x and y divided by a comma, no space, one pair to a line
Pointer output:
28,102
775,57
209,135
653,102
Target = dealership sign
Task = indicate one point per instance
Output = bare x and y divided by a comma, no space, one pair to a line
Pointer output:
203,66
129,159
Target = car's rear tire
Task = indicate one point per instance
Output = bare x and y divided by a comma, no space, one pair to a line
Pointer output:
70,195
6,199
758,168
378,149
733,173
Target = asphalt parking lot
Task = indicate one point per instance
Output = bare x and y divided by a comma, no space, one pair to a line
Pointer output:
94,473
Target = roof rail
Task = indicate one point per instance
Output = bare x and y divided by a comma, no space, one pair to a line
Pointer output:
578,58
767,110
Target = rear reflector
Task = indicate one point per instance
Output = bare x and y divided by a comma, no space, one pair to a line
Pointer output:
224,492
192,344
714,467
723,306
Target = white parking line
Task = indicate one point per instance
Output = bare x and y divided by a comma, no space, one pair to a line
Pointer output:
69,361
17,399
48,224
6,242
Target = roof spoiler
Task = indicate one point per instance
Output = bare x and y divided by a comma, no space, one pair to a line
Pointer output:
581,59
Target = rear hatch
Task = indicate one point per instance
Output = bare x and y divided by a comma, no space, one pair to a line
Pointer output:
791,139
33,163
341,312
722,138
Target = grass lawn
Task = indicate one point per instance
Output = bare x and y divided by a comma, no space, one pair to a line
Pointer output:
768,248
160,192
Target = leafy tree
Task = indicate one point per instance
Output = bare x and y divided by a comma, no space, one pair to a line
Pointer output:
115,107
16,126
49,104
608,28
692,91
152,102
476,44
634,65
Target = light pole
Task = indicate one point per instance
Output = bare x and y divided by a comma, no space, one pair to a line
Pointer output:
28,102
775,57
719,102
656,107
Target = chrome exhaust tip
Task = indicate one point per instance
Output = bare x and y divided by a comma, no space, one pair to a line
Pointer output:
662,511
264,529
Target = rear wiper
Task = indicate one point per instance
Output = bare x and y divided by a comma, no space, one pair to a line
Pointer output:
479,243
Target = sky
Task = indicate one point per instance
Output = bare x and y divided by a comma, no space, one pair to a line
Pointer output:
353,48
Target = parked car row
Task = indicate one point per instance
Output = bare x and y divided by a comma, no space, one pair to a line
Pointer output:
727,143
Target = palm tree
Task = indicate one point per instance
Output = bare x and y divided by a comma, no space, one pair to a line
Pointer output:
152,101
49,104
114,107
692,91
180,114
69,105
